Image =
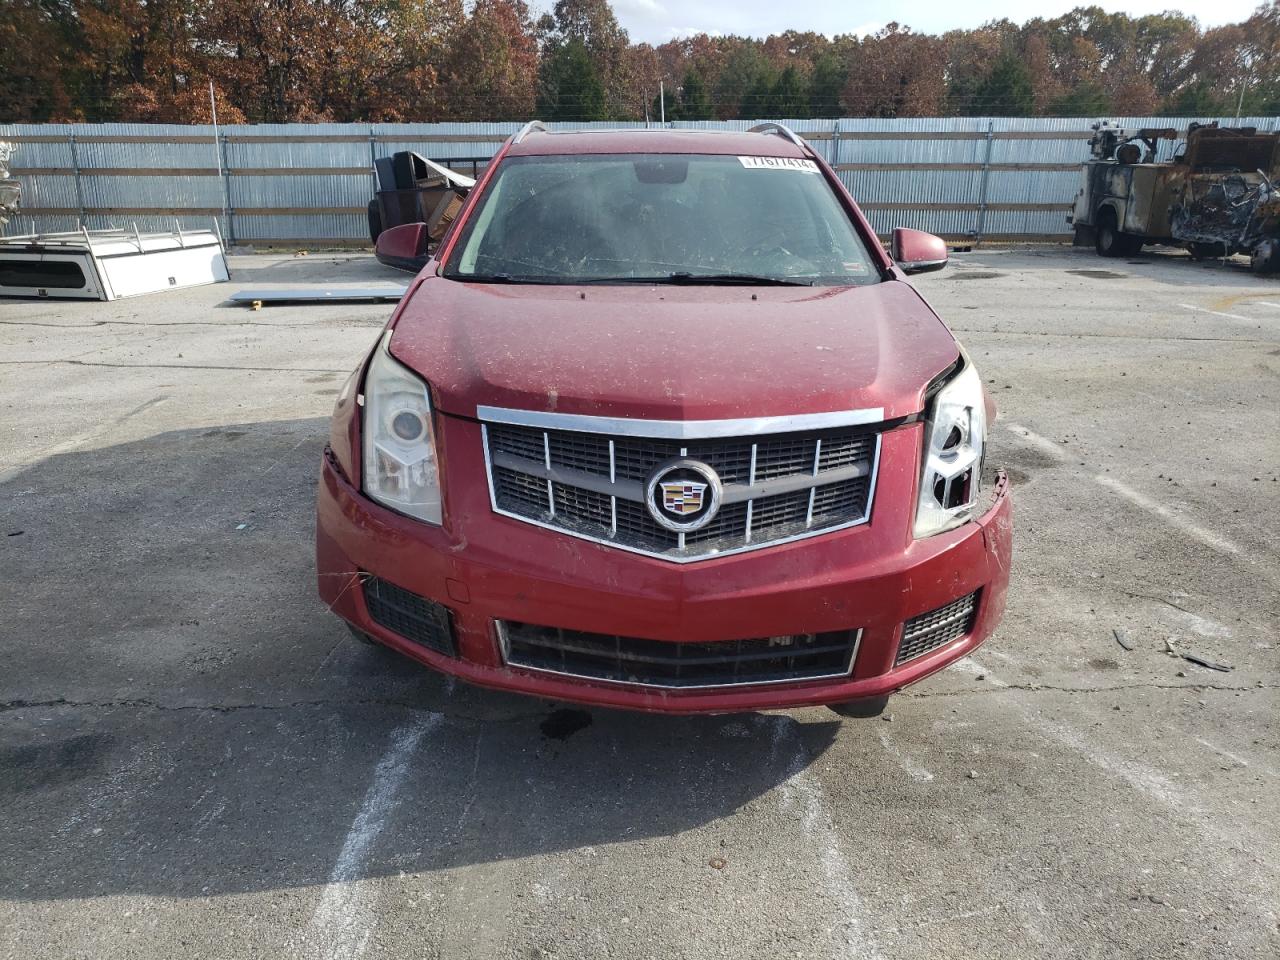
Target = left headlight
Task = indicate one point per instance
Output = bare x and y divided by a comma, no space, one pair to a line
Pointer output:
400,469
955,438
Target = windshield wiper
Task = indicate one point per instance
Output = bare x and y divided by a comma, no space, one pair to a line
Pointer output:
678,279
504,278
719,279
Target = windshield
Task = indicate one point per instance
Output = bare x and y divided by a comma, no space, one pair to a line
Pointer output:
660,217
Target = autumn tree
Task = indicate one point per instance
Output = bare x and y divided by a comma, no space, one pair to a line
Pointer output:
896,73
1087,99
39,67
638,78
490,69
392,60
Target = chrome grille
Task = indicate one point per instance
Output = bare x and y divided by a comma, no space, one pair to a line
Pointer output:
937,628
777,487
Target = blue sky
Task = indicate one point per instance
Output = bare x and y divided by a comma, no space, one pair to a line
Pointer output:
657,21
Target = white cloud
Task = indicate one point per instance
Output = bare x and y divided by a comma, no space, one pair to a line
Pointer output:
648,20
677,33
639,8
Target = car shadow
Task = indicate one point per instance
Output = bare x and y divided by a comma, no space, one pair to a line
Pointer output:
184,718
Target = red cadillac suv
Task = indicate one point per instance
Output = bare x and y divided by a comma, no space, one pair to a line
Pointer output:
661,426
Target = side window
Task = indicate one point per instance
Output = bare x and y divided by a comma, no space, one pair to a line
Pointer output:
47,274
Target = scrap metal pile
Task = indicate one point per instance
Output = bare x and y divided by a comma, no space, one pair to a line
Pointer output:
416,201
1218,194
1236,211
10,190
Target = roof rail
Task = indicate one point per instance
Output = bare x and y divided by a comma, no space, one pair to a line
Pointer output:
780,129
528,128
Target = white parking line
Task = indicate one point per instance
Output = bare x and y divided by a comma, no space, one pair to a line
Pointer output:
1138,775
1217,313
916,772
801,790
343,920
1234,758
1043,444
1195,531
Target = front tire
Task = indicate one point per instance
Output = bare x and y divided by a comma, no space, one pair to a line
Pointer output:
863,709
1110,242
375,219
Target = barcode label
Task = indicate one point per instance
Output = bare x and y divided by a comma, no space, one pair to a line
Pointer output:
779,163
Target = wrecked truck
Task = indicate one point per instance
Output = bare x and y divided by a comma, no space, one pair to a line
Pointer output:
1215,196
10,189
661,425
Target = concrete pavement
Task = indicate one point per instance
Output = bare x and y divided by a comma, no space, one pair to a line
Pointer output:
197,761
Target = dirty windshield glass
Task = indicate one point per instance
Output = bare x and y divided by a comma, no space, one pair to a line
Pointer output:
661,218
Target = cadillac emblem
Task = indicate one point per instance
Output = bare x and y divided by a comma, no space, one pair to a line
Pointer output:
683,495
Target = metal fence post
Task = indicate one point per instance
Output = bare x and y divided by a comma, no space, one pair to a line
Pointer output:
835,144
226,189
980,220
75,166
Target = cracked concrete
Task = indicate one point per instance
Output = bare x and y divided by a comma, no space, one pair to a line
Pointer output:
192,750
915,693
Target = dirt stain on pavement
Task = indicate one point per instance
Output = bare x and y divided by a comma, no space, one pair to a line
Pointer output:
37,766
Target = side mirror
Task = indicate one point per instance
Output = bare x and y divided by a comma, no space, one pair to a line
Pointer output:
915,251
403,247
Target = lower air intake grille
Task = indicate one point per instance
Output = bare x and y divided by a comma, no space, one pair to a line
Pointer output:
658,663
415,618
937,628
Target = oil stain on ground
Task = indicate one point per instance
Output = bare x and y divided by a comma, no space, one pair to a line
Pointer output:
976,275
563,724
1098,274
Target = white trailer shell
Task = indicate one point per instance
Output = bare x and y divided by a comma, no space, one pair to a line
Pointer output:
109,264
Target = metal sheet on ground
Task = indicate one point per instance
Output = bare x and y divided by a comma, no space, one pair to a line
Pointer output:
318,294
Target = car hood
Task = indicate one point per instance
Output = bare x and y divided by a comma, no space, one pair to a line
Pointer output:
672,352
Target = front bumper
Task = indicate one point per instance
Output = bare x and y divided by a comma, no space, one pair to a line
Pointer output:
489,568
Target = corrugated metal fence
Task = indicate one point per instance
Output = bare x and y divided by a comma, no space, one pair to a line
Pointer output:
290,184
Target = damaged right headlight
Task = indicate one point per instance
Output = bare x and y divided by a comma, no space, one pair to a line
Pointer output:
955,438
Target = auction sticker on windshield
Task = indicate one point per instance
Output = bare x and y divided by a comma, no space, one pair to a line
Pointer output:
779,163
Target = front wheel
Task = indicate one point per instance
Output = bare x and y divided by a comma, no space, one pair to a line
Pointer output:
1110,242
861,709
